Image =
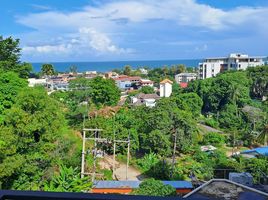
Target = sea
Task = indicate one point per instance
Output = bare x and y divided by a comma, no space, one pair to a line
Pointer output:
110,65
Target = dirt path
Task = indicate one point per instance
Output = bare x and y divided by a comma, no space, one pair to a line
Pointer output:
133,174
120,169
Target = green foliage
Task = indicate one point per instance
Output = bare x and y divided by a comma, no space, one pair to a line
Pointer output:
10,86
10,57
127,70
47,69
104,91
147,90
67,180
211,122
29,139
151,187
259,76
147,162
158,143
215,139
189,102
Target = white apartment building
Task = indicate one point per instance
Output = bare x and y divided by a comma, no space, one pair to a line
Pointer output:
185,77
212,66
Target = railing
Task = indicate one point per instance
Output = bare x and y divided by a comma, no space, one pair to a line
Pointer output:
36,195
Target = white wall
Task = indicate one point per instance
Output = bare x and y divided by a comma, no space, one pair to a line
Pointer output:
165,89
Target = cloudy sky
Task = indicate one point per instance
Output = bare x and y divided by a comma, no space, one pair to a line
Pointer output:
104,30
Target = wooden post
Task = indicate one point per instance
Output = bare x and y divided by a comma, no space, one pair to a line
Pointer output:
114,157
128,152
94,157
83,155
174,154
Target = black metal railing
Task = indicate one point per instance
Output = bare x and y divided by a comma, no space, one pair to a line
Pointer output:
36,195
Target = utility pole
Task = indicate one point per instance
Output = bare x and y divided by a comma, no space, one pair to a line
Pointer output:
114,144
95,139
83,155
128,152
174,153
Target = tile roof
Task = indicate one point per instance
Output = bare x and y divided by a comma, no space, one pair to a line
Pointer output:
166,81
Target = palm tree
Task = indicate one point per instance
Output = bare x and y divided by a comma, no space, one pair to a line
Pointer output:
47,69
263,136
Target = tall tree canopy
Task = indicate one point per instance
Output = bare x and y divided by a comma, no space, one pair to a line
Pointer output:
10,57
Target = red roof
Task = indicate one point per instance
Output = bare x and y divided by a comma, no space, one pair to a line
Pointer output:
184,85
127,78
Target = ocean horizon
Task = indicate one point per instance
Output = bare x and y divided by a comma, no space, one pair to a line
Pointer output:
110,65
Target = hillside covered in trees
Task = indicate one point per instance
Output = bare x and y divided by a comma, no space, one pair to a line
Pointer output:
40,134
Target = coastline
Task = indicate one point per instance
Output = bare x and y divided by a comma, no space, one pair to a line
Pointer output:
110,65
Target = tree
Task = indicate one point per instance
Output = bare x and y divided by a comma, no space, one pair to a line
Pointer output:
73,69
10,57
67,180
181,68
147,90
151,187
127,70
263,136
104,91
10,86
157,142
47,69
33,124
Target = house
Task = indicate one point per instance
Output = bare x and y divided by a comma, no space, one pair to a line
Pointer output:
226,190
90,74
261,151
185,77
146,82
33,82
126,187
124,82
166,88
111,75
210,67
145,99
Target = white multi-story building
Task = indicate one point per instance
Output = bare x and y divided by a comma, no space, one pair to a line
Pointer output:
166,88
185,77
212,66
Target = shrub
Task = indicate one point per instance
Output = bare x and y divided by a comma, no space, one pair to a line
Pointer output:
153,187
215,139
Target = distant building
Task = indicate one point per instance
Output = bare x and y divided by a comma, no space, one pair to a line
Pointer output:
34,82
166,88
213,66
111,75
146,82
124,82
185,77
145,99
90,74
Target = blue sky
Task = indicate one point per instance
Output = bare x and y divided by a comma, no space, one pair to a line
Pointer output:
103,30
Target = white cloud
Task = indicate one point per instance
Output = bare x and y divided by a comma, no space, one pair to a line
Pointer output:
99,41
55,49
104,28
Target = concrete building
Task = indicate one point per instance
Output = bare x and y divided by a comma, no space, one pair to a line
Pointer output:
33,82
185,77
126,82
149,100
166,88
146,82
213,66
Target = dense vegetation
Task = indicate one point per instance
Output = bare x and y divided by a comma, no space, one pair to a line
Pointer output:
40,139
